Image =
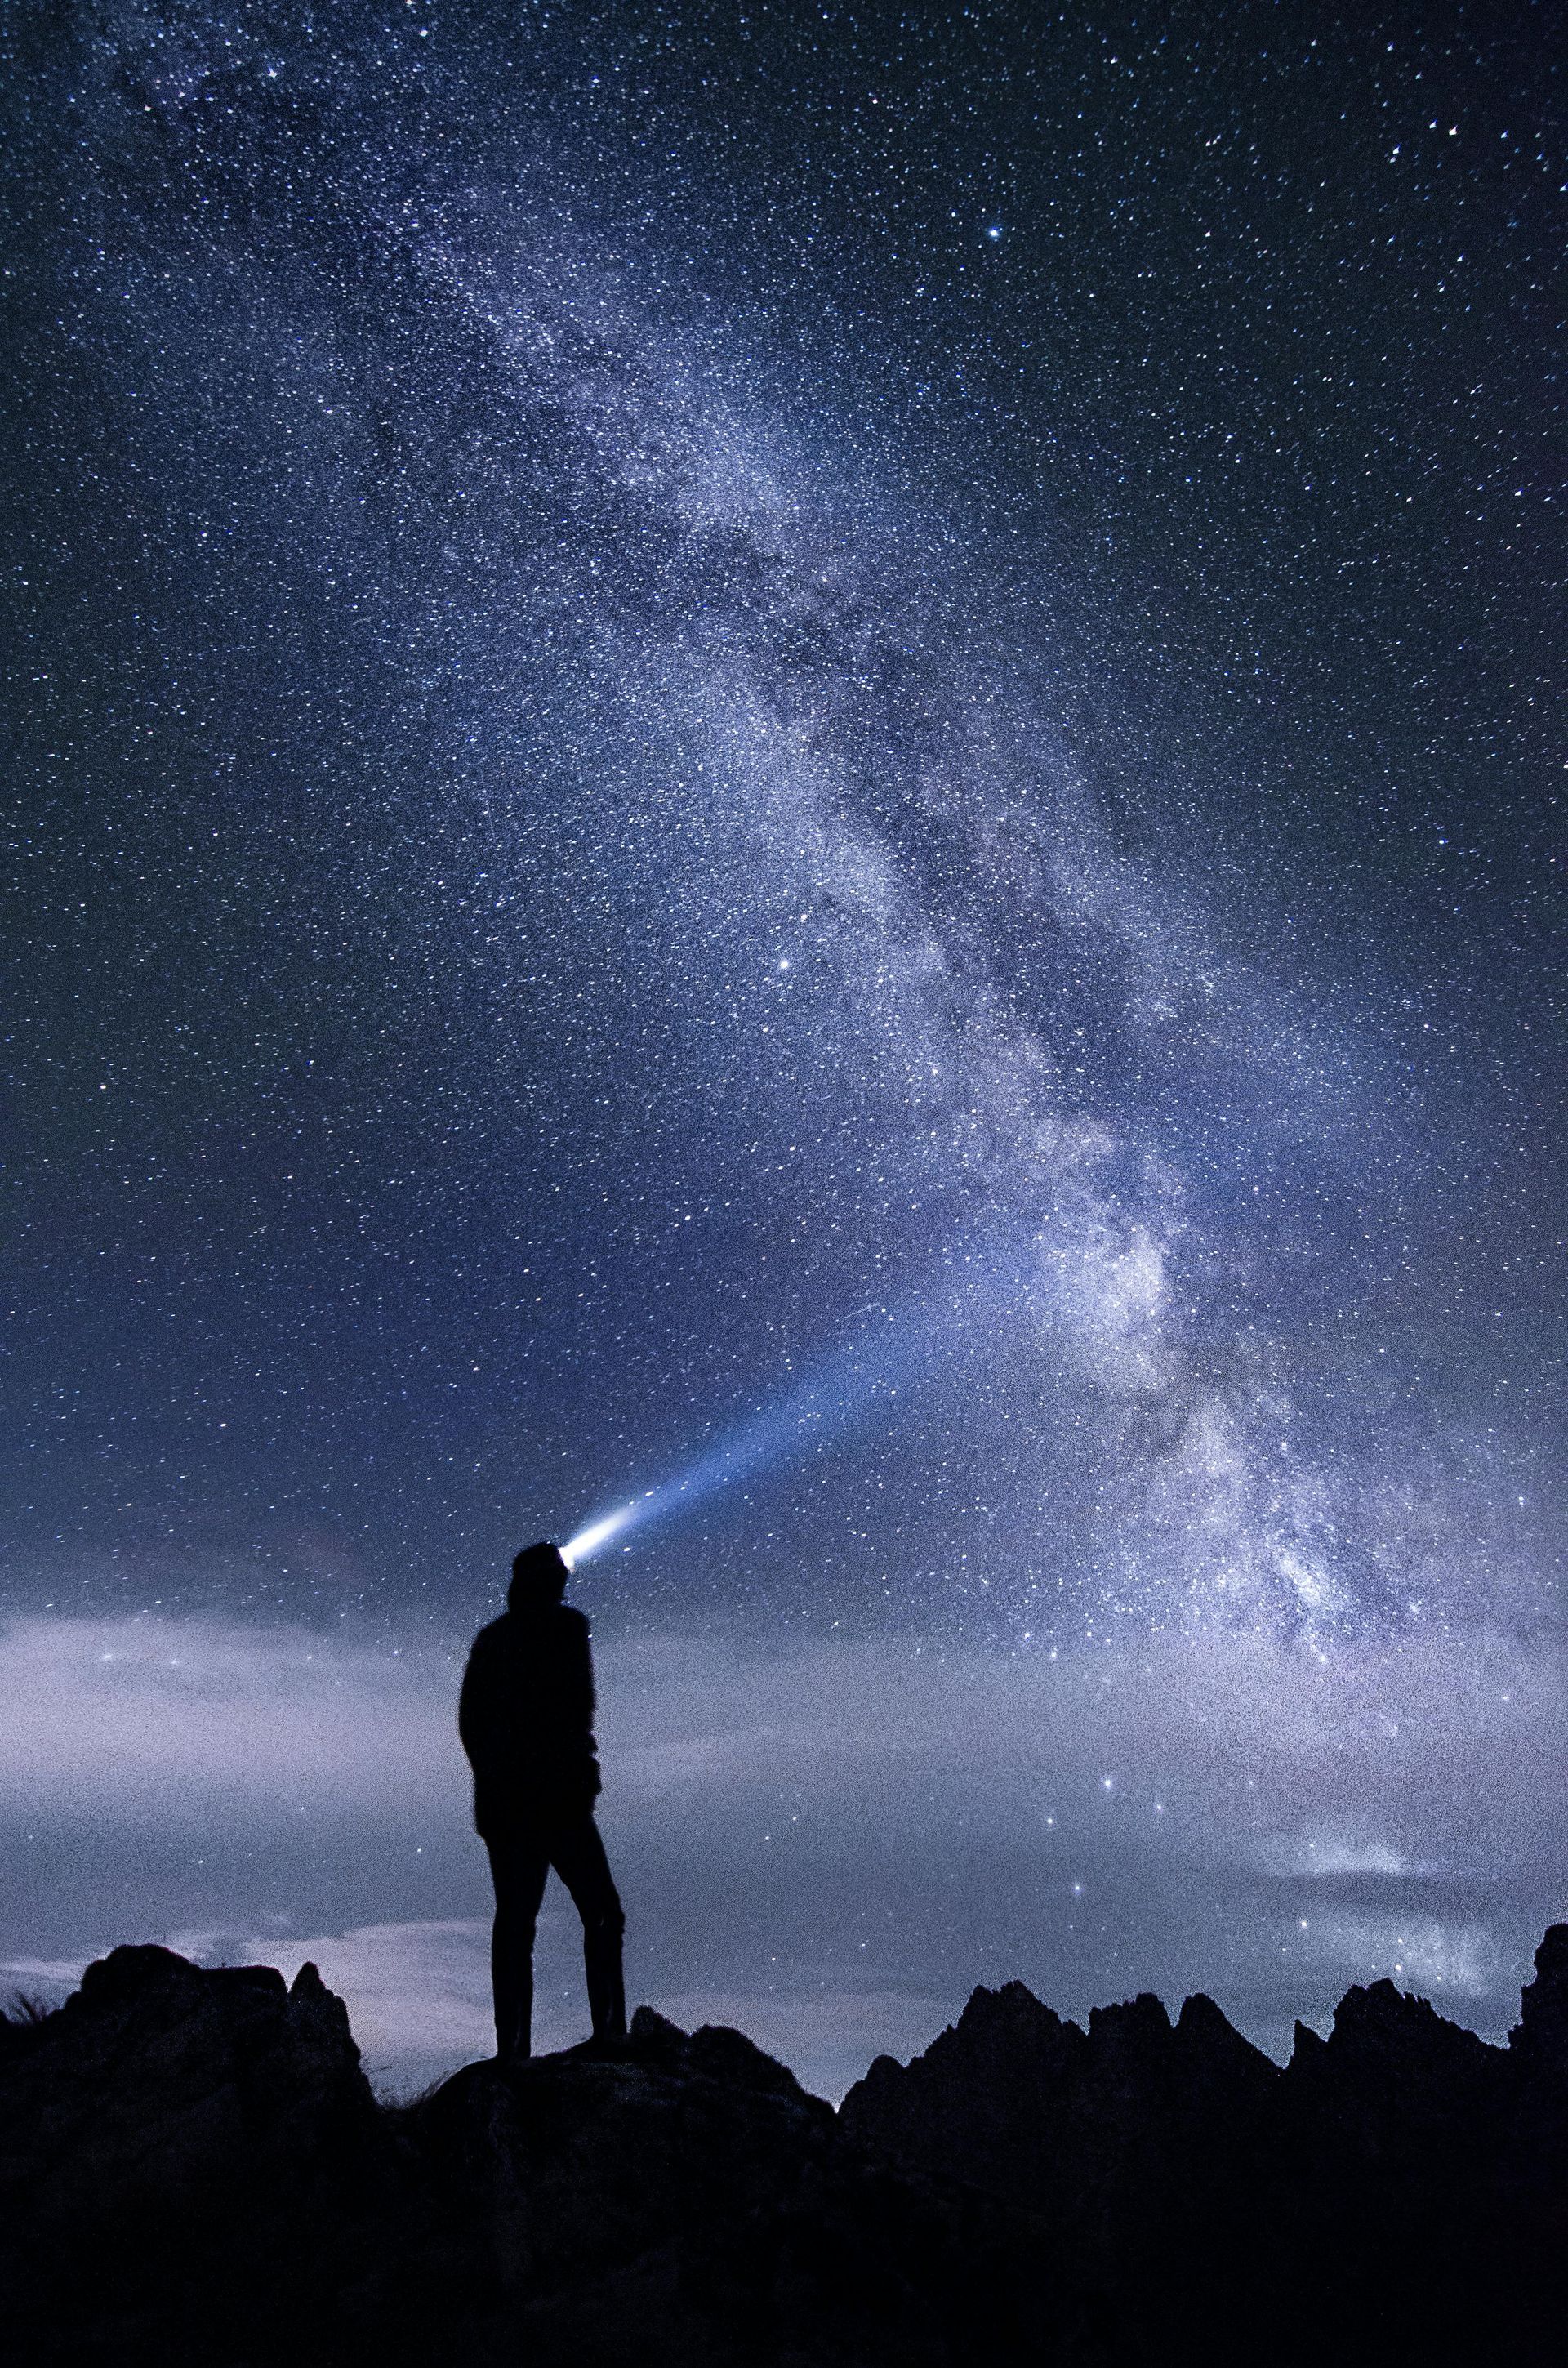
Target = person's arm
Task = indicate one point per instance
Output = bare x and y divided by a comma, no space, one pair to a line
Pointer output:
472,1702
577,1694
575,1670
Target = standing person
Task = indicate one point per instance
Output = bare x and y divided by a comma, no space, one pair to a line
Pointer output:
527,1721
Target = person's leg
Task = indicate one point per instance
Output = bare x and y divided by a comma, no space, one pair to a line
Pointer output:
577,1853
518,1866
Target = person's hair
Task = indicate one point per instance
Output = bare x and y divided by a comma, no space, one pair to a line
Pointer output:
539,1579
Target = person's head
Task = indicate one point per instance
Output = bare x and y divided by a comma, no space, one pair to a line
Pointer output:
539,1579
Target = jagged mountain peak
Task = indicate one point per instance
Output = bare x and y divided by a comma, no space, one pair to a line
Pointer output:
1541,2033
192,2166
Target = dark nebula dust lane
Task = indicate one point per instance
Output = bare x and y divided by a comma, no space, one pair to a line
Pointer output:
799,774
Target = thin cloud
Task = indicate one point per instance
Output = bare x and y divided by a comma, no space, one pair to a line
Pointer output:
827,1842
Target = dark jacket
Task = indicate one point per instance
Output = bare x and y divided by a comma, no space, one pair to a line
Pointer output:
526,1718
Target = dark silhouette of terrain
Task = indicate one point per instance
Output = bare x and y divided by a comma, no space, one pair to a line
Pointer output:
193,2169
526,1718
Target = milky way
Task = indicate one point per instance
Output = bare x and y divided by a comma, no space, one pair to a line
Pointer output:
813,759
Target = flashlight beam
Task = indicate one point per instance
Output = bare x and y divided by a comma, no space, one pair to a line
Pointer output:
875,1362
598,1533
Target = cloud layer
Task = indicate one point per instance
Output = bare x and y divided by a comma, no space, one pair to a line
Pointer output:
828,1843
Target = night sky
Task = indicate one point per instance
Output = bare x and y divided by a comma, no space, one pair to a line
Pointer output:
810,751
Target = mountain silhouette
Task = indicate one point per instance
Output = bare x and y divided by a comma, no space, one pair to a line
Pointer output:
193,2169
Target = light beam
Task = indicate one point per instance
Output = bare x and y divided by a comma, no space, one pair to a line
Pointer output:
877,1361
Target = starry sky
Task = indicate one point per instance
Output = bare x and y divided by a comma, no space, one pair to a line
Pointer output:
806,759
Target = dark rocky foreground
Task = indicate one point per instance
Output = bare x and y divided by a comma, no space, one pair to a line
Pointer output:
193,2169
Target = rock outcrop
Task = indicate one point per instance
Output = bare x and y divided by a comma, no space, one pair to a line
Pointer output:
193,2169
1398,2192
1540,2038
1126,2139
183,2151
685,2200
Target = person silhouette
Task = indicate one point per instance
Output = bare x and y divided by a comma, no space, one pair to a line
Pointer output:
526,1718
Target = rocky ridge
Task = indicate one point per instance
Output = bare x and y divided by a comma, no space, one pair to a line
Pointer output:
193,2169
